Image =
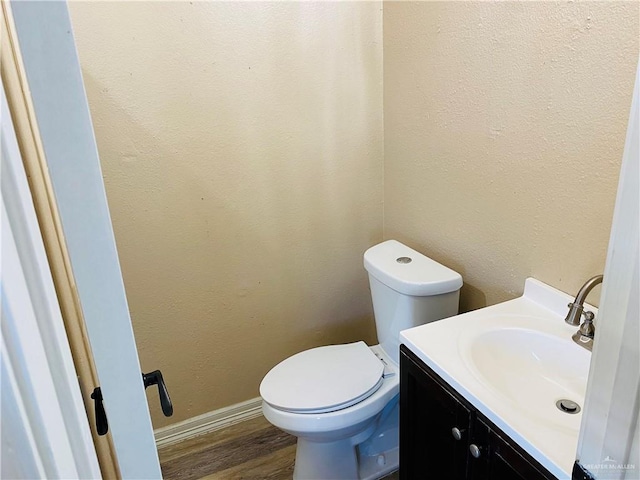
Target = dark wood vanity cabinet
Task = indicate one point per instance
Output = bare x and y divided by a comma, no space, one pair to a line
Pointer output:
442,436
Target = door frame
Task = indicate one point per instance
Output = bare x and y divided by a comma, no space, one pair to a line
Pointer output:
45,430
34,161
609,441
71,168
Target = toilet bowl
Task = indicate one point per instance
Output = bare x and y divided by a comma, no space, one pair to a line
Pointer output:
341,401
328,441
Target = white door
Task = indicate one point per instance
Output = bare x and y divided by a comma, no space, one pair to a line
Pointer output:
55,82
44,429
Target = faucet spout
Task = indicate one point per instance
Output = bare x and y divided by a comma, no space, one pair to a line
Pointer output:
576,307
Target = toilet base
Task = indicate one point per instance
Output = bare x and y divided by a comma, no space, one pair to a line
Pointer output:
370,455
375,467
341,461
379,455
325,460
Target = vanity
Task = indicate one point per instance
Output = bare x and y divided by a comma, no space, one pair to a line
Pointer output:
495,393
463,443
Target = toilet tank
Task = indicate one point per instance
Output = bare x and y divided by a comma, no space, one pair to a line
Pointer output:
407,290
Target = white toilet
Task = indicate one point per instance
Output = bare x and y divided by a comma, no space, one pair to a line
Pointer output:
341,401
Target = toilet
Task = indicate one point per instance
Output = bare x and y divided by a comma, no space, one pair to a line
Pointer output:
341,401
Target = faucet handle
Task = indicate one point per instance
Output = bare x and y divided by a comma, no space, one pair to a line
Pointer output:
587,328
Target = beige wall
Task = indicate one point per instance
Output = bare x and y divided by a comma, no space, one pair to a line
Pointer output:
504,129
241,146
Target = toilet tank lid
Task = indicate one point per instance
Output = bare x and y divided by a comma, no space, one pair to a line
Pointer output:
409,272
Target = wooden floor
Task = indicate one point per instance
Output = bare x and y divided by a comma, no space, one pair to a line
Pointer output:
251,450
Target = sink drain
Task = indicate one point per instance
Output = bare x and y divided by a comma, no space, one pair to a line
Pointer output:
568,406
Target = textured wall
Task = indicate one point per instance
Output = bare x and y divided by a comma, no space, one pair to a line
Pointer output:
241,146
504,129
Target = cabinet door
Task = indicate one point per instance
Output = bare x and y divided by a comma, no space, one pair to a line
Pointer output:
479,450
507,463
428,414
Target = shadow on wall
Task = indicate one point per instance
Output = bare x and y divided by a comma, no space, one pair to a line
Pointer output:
240,227
471,298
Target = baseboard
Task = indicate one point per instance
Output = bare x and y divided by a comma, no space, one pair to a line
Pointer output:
208,422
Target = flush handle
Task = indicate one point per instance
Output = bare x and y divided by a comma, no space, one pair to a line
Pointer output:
155,378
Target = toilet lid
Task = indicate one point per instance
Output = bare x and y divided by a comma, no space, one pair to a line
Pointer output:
323,379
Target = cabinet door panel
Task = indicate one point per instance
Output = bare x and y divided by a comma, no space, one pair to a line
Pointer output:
506,463
428,413
478,468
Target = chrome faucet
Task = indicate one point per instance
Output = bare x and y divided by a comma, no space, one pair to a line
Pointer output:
584,335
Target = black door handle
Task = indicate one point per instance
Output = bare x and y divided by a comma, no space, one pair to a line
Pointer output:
155,378
102,426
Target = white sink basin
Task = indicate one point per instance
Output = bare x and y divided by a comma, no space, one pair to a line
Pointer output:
530,368
513,362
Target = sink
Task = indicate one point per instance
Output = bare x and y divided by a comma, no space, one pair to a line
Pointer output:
529,367
514,362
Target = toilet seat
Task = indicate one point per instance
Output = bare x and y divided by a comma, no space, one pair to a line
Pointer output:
323,379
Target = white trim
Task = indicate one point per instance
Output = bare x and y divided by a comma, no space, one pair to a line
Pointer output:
52,68
45,433
608,442
208,422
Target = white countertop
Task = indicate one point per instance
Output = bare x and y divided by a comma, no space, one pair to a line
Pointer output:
511,398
